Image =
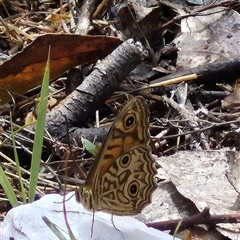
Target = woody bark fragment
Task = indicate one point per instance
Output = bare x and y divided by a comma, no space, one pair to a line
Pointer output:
94,91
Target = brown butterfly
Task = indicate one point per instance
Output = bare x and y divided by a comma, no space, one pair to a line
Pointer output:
122,177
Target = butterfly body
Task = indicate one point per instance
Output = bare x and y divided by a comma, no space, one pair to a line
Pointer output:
122,177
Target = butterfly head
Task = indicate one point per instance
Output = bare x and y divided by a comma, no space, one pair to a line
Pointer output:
84,196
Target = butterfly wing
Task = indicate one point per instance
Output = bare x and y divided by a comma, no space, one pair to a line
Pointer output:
126,188
111,185
130,128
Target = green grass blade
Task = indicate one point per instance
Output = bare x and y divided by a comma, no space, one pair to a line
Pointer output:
17,163
8,189
90,147
54,228
38,138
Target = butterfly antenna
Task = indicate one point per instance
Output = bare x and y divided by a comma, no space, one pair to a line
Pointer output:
114,223
92,224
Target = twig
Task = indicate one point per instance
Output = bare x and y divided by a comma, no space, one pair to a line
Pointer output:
203,217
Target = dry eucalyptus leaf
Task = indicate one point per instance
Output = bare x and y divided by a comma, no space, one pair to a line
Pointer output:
232,101
233,174
166,202
24,71
142,8
200,2
211,35
209,179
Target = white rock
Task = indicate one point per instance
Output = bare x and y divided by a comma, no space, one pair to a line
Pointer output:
25,222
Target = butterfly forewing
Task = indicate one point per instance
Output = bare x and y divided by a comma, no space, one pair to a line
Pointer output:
130,128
